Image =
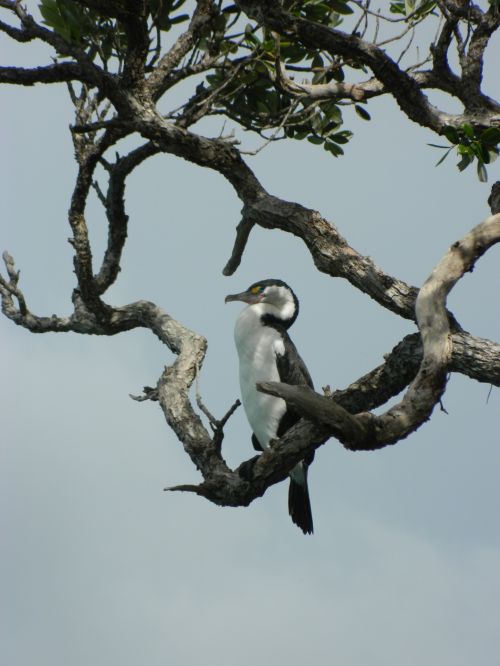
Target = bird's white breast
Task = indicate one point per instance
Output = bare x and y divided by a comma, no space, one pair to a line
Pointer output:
257,347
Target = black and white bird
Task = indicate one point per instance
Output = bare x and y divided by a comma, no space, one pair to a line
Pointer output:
266,353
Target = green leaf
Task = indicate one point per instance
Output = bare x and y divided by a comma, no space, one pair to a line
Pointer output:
465,150
464,162
262,108
468,130
332,112
490,137
335,20
317,122
362,112
317,61
52,17
397,8
317,140
442,159
301,134
341,137
293,53
493,155
340,7
481,151
333,148
409,6
451,134
482,174
330,127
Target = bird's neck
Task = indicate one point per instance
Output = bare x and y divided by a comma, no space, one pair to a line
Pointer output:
266,314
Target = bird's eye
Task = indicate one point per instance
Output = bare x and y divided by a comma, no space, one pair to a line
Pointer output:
257,290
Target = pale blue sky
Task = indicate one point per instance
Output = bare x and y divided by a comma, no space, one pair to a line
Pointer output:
98,565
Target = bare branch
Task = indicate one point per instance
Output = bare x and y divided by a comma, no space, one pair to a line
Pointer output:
10,288
15,33
115,210
242,233
333,89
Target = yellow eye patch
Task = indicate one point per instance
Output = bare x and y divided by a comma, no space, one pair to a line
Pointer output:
256,290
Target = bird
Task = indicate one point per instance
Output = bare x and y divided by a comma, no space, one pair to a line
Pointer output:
266,353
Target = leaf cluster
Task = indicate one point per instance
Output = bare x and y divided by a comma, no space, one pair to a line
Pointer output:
248,73
102,36
472,144
253,94
242,83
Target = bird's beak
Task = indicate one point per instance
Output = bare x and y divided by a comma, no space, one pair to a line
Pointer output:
245,296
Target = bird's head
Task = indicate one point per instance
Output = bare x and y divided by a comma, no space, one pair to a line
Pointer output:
274,300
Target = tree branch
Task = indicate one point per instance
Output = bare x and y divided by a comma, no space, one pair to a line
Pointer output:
404,86
158,81
115,211
426,389
58,73
331,253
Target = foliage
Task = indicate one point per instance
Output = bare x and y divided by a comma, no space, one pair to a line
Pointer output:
101,36
243,85
472,144
239,64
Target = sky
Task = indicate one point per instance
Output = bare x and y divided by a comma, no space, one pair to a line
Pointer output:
98,565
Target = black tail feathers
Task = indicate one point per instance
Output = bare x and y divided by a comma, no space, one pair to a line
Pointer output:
299,506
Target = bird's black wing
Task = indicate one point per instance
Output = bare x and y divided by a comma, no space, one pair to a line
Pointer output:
292,370
291,367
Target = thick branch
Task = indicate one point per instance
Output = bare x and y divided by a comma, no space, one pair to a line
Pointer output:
136,30
66,71
331,253
216,154
426,389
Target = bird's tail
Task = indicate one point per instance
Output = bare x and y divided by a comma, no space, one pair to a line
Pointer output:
299,505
